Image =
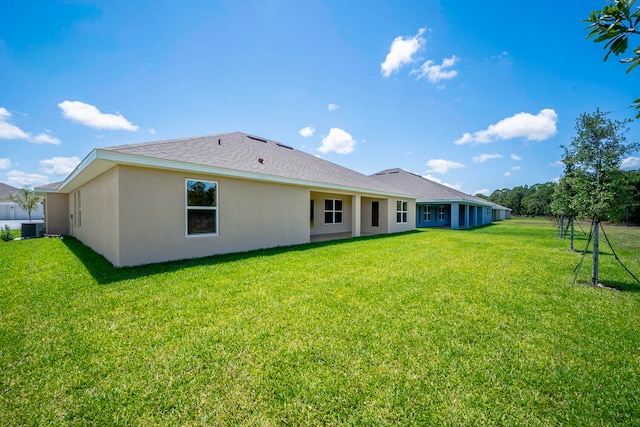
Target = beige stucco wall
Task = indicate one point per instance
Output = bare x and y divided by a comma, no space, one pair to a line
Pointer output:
56,213
251,215
383,216
394,227
319,225
98,225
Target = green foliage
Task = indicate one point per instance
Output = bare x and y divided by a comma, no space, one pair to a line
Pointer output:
6,234
615,24
485,330
525,200
26,200
592,163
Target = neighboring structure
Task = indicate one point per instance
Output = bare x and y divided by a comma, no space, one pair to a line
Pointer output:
437,204
12,212
193,197
500,212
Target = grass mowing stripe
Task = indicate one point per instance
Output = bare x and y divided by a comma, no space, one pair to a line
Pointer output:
430,327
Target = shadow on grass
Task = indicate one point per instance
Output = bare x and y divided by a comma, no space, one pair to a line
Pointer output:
105,273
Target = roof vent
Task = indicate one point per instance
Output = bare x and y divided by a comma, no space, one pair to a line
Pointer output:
284,146
219,141
261,160
255,138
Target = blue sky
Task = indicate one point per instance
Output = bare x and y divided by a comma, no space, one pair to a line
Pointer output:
476,95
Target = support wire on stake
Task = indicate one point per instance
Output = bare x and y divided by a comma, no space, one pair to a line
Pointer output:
616,255
584,253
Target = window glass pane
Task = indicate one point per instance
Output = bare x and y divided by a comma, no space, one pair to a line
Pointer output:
404,206
398,217
338,217
404,217
201,221
201,193
328,217
398,205
338,205
328,204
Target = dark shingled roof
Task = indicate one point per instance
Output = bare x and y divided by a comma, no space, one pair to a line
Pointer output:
5,189
49,187
246,153
427,190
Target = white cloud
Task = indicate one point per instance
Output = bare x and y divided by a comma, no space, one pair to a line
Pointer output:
44,138
436,73
515,168
338,141
59,165
89,115
502,54
23,179
443,166
522,125
439,181
484,157
5,163
630,163
556,164
515,157
507,173
401,52
484,191
10,131
308,131
556,180
152,131
332,107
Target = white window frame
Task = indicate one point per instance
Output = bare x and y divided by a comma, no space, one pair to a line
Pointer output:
187,208
441,213
402,210
427,214
77,209
333,211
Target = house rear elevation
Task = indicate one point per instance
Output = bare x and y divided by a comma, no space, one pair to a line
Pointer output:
437,204
193,197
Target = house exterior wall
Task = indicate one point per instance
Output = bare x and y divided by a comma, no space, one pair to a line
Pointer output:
366,224
56,213
94,214
320,226
435,220
394,226
251,215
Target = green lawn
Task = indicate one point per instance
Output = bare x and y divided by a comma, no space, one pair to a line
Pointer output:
435,327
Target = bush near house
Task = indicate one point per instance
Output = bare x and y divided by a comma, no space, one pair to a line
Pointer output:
433,327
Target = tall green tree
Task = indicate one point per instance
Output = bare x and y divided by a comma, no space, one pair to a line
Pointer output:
596,153
564,201
615,24
26,200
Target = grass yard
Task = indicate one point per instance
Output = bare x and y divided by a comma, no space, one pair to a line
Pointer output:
435,327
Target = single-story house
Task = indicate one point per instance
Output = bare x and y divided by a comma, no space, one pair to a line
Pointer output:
11,211
193,197
437,204
500,212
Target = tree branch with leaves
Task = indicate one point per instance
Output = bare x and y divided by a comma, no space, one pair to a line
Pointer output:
615,24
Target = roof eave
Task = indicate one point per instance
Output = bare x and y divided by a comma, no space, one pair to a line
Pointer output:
108,159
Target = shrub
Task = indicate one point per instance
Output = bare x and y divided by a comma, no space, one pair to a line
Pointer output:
5,234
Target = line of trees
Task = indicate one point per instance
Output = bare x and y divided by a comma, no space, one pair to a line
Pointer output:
538,199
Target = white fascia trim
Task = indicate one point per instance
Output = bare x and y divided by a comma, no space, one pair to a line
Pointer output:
136,160
462,201
83,164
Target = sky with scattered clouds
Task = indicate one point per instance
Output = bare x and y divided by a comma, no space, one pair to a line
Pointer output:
478,98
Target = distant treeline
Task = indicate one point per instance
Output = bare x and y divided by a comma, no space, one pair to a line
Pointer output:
536,200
